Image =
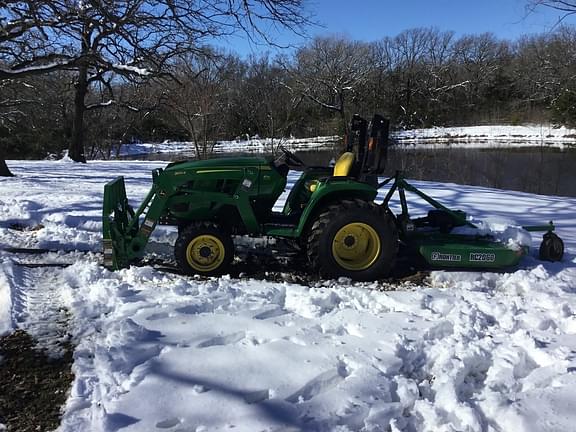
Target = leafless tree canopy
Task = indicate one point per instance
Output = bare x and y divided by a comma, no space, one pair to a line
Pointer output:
128,36
330,72
102,40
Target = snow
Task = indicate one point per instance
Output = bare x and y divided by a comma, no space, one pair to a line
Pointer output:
462,351
489,136
494,136
45,67
245,145
6,276
504,230
132,69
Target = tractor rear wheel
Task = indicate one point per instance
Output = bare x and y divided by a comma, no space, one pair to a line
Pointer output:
204,248
355,239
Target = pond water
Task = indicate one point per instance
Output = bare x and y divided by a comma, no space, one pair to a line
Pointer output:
539,169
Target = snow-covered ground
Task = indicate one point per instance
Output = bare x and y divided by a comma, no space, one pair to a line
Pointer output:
489,136
470,136
466,351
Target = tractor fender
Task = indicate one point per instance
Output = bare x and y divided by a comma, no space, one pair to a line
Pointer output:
329,192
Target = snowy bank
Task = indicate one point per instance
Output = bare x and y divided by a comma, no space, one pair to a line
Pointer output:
490,136
470,136
249,145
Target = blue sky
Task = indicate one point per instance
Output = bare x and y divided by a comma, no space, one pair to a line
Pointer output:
371,20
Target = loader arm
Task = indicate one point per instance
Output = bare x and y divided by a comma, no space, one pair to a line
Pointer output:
124,237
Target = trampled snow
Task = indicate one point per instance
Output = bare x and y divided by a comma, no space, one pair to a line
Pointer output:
464,351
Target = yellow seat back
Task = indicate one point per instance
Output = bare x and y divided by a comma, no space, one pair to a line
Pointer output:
344,165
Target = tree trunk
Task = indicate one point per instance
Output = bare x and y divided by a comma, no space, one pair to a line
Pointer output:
345,123
76,148
4,170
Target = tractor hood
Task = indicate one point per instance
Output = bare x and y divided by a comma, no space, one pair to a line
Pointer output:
218,163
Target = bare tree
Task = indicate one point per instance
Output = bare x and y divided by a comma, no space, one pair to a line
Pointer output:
330,72
24,104
544,68
422,75
410,48
379,91
119,123
135,39
439,83
270,106
196,100
35,114
419,60
535,71
9,109
481,60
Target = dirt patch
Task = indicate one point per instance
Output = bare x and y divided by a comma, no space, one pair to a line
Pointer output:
33,386
278,268
295,270
17,226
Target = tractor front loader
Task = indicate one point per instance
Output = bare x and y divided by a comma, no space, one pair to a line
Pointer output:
330,213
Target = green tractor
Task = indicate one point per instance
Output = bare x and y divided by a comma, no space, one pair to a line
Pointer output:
330,214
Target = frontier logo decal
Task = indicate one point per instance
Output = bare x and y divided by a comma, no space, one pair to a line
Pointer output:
482,257
437,256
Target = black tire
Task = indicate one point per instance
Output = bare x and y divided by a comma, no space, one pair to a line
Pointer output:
551,248
329,237
204,248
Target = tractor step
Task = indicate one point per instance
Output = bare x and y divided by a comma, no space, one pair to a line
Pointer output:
279,222
271,226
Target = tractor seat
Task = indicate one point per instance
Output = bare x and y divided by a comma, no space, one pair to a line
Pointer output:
344,165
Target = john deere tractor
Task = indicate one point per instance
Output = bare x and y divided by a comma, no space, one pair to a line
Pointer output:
330,214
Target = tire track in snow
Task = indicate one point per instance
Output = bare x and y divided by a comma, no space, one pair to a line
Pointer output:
38,306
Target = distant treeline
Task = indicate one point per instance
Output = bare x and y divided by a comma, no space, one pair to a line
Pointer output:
422,77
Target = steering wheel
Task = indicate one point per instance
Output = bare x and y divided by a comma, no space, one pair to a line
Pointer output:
291,158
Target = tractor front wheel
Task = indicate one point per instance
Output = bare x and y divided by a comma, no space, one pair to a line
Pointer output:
355,239
203,248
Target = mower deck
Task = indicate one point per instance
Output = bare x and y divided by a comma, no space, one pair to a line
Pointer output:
468,252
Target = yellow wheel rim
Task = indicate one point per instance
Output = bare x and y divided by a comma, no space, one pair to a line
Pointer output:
356,246
205,253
